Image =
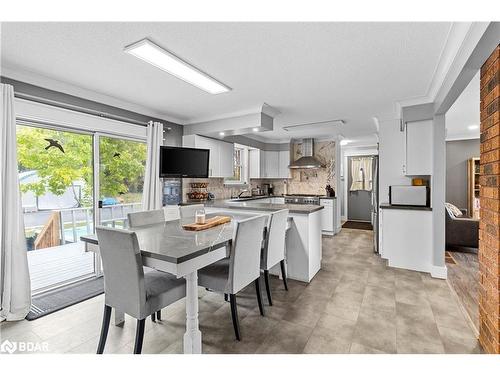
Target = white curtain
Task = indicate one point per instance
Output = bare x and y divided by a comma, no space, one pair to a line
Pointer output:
361,174
152,194
15,288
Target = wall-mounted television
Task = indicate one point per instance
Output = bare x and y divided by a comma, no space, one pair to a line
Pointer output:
184,162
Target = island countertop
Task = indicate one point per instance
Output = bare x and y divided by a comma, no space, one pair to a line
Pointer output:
256,206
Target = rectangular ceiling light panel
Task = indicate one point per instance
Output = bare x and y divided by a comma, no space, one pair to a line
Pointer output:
157,56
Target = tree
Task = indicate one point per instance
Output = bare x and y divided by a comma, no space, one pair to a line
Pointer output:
122,163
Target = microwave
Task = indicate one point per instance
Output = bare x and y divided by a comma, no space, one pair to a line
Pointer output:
408,195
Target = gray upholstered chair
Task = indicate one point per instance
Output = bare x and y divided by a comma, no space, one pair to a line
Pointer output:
140,218
127,288
190,210
230,275
273,251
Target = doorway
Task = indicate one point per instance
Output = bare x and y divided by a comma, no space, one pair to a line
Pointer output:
359,188
70,181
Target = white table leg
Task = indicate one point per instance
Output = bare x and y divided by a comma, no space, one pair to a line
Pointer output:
192,337
119,317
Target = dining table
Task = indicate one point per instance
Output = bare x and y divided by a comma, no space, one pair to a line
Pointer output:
168,247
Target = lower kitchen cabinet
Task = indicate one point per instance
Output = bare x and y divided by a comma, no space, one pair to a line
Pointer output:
328,217
406,238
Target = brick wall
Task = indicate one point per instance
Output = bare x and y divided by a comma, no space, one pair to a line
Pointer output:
489,233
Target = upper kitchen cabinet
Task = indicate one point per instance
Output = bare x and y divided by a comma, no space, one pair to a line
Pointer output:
268,164
221,154
418,148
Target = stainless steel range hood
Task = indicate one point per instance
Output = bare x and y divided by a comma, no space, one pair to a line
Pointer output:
307,161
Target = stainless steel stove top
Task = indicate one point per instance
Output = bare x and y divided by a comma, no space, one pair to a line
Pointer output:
302,199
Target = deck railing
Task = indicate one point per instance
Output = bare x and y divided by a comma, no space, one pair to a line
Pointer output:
49,236
55,231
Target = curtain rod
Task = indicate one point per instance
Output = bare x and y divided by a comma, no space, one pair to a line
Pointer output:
72,107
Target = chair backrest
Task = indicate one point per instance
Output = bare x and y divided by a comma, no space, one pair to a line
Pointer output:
190,210
245,253
137,219
274,244
123,273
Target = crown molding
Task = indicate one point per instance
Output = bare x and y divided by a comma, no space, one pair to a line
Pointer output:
261,108
458,36
74,90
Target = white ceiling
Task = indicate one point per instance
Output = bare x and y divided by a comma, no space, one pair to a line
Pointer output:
310,72
464,113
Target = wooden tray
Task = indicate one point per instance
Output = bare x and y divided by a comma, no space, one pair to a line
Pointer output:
209,223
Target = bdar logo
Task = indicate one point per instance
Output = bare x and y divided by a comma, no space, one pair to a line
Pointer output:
8,347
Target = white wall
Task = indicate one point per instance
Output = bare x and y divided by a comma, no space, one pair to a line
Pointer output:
391,157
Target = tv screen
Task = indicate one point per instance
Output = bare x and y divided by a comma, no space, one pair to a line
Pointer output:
183,162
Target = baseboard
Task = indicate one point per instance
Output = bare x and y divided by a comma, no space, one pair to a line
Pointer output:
439,272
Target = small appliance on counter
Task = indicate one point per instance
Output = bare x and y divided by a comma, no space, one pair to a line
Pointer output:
257,192
408,195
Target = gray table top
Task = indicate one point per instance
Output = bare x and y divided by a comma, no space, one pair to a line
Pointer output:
171,243
254,205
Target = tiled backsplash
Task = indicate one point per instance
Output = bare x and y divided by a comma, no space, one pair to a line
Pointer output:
301,182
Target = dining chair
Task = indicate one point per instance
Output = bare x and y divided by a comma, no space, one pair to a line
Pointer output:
127,288
242,267
190,210
273,250
140,218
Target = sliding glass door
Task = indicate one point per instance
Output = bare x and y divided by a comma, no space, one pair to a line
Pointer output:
122,163
56,180
61,172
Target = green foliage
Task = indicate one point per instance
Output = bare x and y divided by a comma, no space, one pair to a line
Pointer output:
122,163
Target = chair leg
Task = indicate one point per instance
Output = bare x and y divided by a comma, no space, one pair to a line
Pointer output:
158,315
226,297
139,336
153,317
234,316
283,273
104,330
259,296
268,287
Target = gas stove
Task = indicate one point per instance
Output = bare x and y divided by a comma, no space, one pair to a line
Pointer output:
302,199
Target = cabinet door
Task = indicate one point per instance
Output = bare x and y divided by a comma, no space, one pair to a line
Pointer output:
226,159
327,215
272,164
418,148
207,143
254,164
284,161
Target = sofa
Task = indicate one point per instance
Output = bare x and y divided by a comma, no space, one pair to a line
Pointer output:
461,230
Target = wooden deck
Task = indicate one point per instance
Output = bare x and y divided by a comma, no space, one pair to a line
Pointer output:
59,264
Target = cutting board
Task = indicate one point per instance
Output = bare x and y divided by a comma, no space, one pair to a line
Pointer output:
209,223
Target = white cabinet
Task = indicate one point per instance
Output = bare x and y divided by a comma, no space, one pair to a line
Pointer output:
328,215
284,162
254,163
221,154
418,148
269,164
406,238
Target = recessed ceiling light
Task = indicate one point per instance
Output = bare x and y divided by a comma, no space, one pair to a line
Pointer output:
255,129
157,56
473,127
344,142
221,134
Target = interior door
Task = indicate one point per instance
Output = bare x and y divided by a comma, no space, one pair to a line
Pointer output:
359,202
122,164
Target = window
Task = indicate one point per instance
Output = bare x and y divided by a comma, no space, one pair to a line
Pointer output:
239,167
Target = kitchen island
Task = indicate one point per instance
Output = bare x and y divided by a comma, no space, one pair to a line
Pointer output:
303,240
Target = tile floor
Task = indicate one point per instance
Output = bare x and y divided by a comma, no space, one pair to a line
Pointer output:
355,304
